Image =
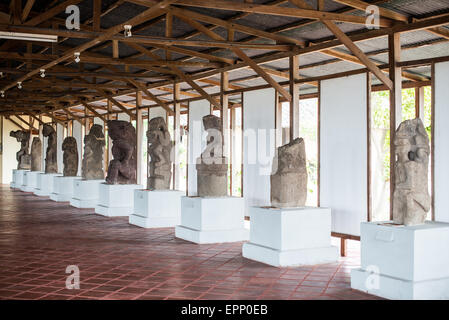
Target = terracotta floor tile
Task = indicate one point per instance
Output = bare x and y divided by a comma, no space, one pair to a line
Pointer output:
120,261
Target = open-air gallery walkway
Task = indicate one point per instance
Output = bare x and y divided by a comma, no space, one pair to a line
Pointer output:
40,238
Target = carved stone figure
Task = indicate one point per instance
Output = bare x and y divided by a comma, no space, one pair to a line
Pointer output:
159,148
94,142
51,163
212,167
22,156
123,168
36,154
411,199
70,157
289,180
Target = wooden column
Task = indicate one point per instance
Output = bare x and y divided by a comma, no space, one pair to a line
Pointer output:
394,44
278,119
224,101
294,92
419,103
139,133
109,151
177,135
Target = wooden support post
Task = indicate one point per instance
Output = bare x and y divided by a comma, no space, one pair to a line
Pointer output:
96,15
109,150
343,243
394,44
115,49
419,103
139,133
224,114
294,102
177,134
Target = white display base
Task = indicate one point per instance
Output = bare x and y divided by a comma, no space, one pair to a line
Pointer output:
156,209
17,178
30,181
63,188
85,193
399,262
290,237
212,220
116,200
45,184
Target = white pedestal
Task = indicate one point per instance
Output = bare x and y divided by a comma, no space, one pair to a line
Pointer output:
17,178
85,193
63,188
156,209
399,262
45,184
290,236
212,220
116,200
30,181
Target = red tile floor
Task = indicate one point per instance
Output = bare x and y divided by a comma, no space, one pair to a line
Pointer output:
39,238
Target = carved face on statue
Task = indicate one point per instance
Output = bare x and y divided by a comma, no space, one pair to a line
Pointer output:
47,130
158,131
411,199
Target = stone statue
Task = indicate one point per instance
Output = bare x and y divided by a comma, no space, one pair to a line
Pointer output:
159,148
22,156
36,154
51,163
70,157
411,199
94,142
212,167
123,168
289,178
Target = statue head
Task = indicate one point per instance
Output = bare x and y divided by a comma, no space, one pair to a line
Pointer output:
97,131
47,130
212,122
157,131
69,144
119,129
20,135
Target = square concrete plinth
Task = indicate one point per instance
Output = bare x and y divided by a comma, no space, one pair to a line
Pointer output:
17,178
212,220
399,262
85,193
116,200
63,188
30,181
44,186
157,208
290,237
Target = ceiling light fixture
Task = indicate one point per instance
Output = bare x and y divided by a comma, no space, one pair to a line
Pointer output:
77,57
28,36
3,93
19,84
42,71
127,30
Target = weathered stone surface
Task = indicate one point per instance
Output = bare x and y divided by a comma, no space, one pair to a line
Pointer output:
212,167
159,148
23,157
411,199
51,163
70,157
36,154
94,142
289,178
123,168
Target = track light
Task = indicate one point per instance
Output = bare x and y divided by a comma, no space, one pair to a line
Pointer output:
42,71
77,57
127,30
3,93
19,84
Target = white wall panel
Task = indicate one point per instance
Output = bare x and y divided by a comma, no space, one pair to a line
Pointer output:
258,146
197,140
10,148
343,147
441,141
